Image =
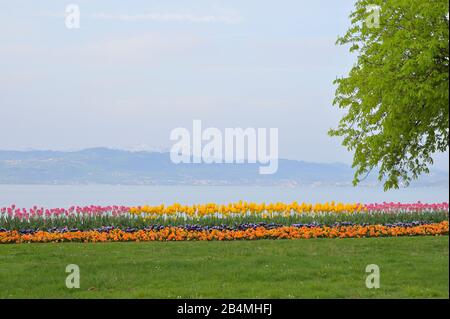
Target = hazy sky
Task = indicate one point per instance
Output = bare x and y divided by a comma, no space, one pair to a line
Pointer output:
137,69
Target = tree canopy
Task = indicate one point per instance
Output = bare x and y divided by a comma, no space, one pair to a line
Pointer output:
396,95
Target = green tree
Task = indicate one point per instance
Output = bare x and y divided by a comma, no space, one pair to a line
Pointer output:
396,95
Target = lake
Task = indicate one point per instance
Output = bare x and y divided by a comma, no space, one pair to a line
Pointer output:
67,195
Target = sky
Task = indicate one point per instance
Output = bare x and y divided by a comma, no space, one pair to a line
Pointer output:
135,70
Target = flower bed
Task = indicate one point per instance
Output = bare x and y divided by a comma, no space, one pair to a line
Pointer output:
221,222
183,234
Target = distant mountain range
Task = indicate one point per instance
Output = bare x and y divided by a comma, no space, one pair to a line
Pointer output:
108,166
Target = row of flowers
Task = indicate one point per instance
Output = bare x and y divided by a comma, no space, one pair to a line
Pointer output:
197,227
233,221
211,209
283,208
251,233
236,214
89,222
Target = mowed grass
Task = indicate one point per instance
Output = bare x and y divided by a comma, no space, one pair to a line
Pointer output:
315,268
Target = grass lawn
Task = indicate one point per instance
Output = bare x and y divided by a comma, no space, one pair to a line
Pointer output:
315,268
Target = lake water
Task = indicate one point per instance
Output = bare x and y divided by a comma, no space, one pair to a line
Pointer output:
64,196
